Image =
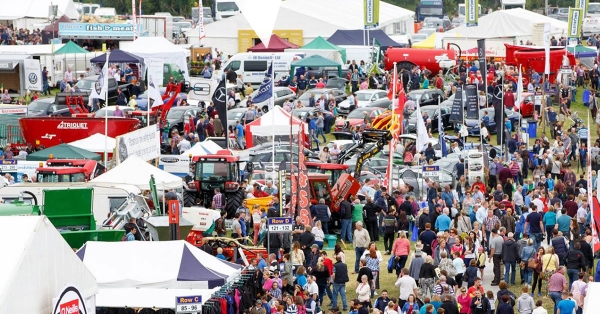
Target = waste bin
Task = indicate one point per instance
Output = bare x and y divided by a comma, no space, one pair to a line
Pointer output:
331,241
532,129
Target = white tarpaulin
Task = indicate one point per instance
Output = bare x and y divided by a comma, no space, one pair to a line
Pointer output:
155,264
276,121
36,264
96,143
143,143
136,171
146,298
162,49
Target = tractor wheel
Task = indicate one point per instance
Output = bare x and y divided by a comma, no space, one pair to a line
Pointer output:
189,199
234,201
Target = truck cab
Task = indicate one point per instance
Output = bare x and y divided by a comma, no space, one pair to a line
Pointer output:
68,170
513,4
429,8
224,8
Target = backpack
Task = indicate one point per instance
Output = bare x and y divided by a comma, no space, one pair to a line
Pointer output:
124,237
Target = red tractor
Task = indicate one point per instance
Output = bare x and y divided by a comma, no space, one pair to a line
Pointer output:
69,170
221,170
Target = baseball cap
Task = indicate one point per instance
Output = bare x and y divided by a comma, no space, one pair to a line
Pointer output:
258,301
314,246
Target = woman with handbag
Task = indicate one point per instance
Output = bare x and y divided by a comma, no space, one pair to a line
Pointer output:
537,279
549,265
528,263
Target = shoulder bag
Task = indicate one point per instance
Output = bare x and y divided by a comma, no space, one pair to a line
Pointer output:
543,272
532,262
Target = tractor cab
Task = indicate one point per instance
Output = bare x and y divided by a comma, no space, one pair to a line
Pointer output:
68,170
221,170
333,170
143,116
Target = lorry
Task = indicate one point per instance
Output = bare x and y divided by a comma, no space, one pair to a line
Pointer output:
429,8
222,9
207,15
433,59
253,66
156,26
69,170
512,4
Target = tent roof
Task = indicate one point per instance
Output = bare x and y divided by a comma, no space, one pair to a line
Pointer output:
37,8
207,147
167,264
354,37
582,51
118,56
315,61
162,45
53,28
70,47
96,143
515,23
36,264
322,43
276,44
146,298
63,151
275,121
137,172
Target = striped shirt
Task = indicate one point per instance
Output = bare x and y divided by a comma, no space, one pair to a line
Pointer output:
218,201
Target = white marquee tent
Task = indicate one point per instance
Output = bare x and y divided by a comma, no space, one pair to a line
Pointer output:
166,265
136,171
146,298
509,23
314,17
96,143
36,265
161,49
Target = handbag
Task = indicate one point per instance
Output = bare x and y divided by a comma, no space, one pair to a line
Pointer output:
532,263
543,272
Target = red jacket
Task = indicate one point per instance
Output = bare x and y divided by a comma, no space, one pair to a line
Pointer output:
329,264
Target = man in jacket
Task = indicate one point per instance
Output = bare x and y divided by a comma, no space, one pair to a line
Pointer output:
560,246
381,303
323,214
510,253
360,243
525,304
480,304
306,240
340,278
372,211
346,214
575,262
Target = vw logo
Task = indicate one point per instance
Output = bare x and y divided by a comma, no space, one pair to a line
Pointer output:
33,78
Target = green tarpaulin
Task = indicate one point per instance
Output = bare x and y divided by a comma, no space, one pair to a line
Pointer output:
63,151
322,43
70,47
316,61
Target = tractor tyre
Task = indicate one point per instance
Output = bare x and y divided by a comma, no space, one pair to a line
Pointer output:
234,201
189,199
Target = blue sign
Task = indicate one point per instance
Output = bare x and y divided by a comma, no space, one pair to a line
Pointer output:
280,224
191,304
8,165
95,30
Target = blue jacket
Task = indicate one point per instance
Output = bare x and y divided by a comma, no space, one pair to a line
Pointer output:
312,125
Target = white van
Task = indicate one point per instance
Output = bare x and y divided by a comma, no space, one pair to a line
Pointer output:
253,66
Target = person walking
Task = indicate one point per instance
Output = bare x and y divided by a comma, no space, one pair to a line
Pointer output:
525,303
407,286
401,250
346,214
340,278
427,277
556,285
496,244
360,243
510,253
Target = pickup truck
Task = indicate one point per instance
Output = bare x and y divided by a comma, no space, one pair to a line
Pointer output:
87,83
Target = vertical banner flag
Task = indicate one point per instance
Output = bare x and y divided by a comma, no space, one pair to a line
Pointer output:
265,91
99,90
472,101
33,74
201,20
153,92
547,48
456,113
519,88
134,19
574,26
482,61
442,136
422,136
303,188
472,13
371,13
219,99
376,52
583,5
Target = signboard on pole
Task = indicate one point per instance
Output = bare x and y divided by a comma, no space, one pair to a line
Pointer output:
189,304
280,224
33,74
144,142
371,14
472,17
583,5
154,67
431,172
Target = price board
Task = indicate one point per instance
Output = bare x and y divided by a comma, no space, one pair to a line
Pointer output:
189,304
280,224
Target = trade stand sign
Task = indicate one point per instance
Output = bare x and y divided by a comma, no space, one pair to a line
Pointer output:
97,30
189,304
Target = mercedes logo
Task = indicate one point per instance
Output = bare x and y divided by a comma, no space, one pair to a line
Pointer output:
220,94
498,92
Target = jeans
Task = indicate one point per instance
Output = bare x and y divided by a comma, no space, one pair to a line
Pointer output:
537,281
320,132
346,230
518,209
165,137
240,141
526,276
380,223
359,252
573,275
322,289
401,263
556,297
535,237
339,288
507,270
325,227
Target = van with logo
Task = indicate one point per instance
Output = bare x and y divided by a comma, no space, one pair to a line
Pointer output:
253,66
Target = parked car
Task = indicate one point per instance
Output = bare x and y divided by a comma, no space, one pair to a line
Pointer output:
458,21
282,94
338,94
527,106
177,116
426,31
473,125
304,112
235,114
356,117
264,158
434,22
426,97
87,83
432,112
367,98
45,107
590,26
337,83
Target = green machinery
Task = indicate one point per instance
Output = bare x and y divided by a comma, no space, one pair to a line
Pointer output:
71,213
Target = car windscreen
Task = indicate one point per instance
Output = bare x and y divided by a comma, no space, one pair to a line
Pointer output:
430,111
85,84
235,115
363,96
37,106
175,114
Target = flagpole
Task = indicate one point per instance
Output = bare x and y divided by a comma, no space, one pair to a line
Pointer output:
272,105
106,114
148,107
